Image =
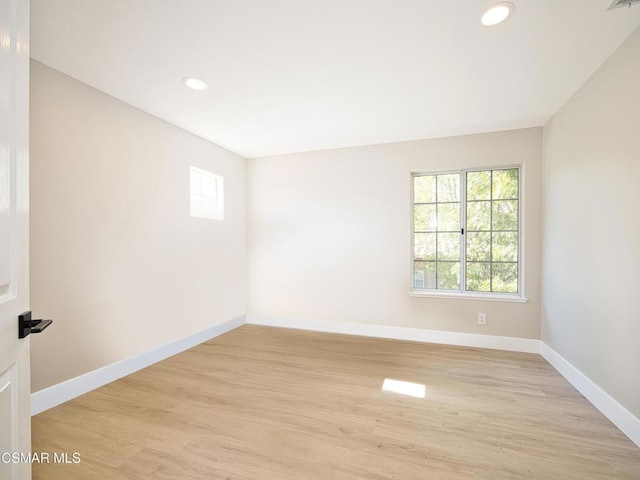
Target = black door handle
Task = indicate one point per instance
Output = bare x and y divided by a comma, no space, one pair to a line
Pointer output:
27,326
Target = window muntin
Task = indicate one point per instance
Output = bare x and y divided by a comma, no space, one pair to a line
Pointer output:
466,231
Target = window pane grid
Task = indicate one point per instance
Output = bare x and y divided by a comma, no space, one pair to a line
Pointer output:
503,242
443,254
436,231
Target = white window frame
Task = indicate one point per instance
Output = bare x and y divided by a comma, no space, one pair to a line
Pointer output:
462,293
207,202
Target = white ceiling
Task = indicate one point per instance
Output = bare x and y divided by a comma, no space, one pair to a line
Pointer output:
297,75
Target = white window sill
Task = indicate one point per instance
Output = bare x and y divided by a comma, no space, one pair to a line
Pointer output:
489,297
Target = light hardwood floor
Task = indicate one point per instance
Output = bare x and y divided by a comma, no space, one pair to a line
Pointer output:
273,404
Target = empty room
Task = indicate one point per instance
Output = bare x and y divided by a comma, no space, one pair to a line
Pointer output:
295,239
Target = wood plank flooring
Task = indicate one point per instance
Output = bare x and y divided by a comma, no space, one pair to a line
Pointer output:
261,403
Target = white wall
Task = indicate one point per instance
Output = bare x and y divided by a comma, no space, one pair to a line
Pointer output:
592,228
329,234
116,260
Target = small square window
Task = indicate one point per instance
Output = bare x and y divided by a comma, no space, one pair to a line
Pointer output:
207,194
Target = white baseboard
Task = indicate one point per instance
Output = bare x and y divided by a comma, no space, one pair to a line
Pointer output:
512,344
55,395
622,418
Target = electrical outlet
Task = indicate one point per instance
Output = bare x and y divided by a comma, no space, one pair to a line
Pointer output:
482,318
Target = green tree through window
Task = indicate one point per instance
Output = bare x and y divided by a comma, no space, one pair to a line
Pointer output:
466,231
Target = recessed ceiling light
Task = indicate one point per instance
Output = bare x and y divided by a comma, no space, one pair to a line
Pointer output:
195,83
497,13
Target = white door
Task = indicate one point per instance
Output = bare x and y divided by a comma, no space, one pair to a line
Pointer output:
15,423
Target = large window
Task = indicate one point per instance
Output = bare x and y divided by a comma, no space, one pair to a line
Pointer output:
466,231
